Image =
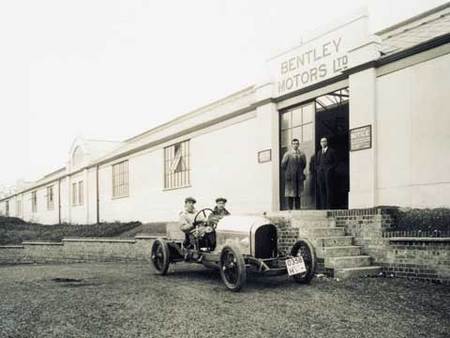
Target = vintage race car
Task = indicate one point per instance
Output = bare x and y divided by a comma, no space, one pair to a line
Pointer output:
242,244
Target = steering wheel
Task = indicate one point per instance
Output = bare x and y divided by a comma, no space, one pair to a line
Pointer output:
204,212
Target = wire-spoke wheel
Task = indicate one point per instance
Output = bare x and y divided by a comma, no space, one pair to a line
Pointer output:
305,249
232,268
160,256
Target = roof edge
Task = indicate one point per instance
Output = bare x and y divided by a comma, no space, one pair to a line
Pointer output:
413,19
190,113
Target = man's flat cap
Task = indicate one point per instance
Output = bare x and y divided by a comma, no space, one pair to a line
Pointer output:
221,199
190,199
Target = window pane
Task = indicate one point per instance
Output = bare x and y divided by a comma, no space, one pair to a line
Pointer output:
176,165
285,123
308,112
307,132
297,117
285,138
297,133
80,193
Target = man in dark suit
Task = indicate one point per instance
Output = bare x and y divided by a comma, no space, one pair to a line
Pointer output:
325,165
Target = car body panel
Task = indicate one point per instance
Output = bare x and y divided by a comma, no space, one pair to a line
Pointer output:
239,231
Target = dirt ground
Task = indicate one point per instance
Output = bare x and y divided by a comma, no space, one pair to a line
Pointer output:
128,300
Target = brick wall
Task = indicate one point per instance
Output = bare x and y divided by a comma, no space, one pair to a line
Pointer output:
366,226
418,258
11,254
78,250
286,234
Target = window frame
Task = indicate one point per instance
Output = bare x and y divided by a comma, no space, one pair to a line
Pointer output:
80,192
34,206
50,198
173,155
120,179
74,194
19,207
77,195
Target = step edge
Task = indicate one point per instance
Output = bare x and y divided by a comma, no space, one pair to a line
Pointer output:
327,228
343,246
344,257
359,268
333,237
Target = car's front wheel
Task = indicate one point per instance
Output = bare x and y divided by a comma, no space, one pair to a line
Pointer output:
305,249
160,256
232,268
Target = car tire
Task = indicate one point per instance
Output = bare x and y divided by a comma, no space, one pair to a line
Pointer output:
232,268
306,250
160,256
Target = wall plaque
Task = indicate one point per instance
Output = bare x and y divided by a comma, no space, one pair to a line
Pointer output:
265,156
361,138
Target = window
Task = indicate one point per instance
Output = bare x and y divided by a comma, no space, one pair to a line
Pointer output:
77,193
297,123
19,208
80,193
177,170
74,194
50,198
77,157
332,100
120,186
7,208
33,201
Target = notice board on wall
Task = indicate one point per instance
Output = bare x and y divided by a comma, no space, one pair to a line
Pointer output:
361,138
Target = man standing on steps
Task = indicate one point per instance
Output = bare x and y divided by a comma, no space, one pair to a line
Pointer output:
293,165
325,165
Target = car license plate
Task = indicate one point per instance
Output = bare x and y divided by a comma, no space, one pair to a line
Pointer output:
295,265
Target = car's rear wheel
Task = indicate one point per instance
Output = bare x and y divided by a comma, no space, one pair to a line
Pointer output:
160,256
232,268
305,249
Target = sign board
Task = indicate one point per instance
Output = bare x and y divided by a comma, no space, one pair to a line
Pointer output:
361,138
322,57
265,156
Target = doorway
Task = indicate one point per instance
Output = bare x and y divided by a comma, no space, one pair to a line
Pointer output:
332,122
326,116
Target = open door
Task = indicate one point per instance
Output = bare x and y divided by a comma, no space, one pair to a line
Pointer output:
332,122
298,122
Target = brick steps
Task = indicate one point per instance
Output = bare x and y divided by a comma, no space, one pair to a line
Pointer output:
332,241
357,272
315,222
326,232
335,251
342,262
338,251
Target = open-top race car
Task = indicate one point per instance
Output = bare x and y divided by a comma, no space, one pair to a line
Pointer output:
242,244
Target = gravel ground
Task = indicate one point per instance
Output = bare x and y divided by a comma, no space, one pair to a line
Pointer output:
128,300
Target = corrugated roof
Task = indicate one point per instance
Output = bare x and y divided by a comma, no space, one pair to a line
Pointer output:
416,30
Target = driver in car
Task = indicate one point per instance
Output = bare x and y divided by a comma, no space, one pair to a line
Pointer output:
192,231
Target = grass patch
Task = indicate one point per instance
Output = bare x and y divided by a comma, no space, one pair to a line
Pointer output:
14,230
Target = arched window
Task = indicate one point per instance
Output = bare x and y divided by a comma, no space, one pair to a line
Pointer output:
77,156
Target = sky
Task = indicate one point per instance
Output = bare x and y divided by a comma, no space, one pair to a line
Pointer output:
110,69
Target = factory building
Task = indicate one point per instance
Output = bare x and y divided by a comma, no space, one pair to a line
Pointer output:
380,99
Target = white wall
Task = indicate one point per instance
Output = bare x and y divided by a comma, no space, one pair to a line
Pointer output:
79,213
413,118
362,88
223,163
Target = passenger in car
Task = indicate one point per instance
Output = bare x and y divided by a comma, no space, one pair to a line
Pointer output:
219,209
